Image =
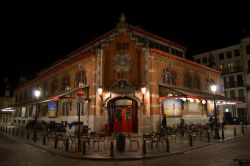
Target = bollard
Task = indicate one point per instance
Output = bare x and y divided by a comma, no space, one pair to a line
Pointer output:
190,140
208,136
167,145
112,149
242,130
144,151
13,131
67,145
28,135
235,133
9,130
44,139
222,134
6,130
83,147
79,143
56,140
17,132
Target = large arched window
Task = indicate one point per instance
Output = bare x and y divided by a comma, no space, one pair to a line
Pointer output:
54,86
196,82
81,78
169,77
66,82
188,80
45,88
208,83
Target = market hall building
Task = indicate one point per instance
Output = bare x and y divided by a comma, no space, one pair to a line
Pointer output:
123,81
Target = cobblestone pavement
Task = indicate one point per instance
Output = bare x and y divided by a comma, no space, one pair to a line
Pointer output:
177,145
18,153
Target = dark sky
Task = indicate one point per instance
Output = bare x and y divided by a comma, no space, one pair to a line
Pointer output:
36,33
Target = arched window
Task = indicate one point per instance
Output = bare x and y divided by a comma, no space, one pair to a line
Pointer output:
66,82
169,77
45,89
208,83
54,86
81,78
196,82
188,80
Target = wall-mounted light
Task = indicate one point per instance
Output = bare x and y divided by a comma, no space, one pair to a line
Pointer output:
143,91
99,90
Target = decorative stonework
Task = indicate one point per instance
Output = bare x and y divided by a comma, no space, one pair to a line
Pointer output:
122,62
122,87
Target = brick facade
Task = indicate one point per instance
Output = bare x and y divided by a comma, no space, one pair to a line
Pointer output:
121,62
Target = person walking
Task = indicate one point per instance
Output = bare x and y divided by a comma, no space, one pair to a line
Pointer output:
164,123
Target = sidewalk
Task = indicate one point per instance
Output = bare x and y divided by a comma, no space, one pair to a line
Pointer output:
180,145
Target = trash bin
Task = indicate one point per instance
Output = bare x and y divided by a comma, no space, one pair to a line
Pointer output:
120,142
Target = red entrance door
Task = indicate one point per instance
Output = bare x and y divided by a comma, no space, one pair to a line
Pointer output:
123,119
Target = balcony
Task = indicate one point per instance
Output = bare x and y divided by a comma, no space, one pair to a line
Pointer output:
241,98
234,84
232,70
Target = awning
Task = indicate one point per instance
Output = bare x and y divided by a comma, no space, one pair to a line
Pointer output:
82,91
167,91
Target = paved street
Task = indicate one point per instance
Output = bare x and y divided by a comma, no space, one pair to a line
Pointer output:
14,153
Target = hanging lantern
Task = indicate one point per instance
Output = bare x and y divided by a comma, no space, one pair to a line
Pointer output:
203,102
197,101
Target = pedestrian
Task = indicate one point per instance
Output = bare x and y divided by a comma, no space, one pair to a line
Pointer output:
164,121
182,126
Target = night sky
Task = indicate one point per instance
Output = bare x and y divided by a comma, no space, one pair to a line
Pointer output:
36,33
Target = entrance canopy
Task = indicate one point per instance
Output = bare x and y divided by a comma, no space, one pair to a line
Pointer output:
192,95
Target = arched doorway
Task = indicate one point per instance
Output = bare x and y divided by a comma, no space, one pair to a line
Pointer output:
123,116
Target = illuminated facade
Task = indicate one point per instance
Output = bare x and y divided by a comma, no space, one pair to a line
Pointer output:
103,82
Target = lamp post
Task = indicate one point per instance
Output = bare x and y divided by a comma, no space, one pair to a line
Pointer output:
37,93
216,130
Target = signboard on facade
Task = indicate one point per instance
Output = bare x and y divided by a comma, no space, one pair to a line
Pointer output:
210,109
52,107
172,107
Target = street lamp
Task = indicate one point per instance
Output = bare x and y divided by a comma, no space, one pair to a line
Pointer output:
216,130
37,94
